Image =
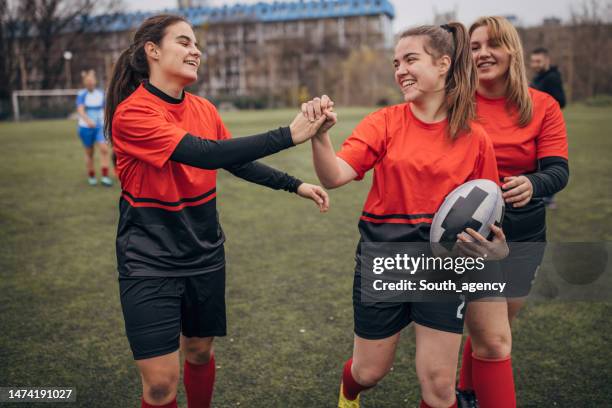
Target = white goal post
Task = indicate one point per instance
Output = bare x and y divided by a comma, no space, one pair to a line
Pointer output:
38,92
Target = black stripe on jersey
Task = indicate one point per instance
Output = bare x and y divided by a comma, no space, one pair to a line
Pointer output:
168,203
153,241
401,216
387,232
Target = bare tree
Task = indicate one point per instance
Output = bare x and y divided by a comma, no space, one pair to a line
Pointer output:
35,33
591,22
591,11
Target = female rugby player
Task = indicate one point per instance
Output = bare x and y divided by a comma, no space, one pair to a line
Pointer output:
168,145
90,108
529,136
420,151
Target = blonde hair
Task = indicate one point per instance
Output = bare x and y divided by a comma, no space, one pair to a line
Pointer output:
502,32
452,39
88,73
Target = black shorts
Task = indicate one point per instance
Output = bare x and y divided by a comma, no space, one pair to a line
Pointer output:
379,320
157,310
520,268
523,226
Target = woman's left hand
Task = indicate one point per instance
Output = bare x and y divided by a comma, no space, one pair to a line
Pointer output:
316,194
518,191
479,247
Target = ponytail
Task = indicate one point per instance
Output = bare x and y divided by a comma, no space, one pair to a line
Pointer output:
461,83
452,39
132,67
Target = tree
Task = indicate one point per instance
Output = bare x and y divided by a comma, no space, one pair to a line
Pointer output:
365,78
35,33
591,22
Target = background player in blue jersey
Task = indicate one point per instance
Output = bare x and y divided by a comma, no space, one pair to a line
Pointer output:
90,107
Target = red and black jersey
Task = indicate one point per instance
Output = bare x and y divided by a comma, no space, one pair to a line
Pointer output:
520,150
416,165
168,222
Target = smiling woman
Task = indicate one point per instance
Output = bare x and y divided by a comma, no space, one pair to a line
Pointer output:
170,246
530,140
420,151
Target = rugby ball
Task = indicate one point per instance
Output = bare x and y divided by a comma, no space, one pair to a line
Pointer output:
476,204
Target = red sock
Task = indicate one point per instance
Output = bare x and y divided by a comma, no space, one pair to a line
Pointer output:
104,171
465,374
91,173
424,405
493,382
199,380
171,404
350,387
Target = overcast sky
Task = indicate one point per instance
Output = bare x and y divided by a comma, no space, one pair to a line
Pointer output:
411,12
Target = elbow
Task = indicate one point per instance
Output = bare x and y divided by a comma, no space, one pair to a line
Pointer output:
327,180
565,181
335,183
566,176
330,184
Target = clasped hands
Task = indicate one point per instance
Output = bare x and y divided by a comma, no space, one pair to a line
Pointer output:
317,116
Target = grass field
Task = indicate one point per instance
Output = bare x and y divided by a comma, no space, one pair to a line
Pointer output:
289,281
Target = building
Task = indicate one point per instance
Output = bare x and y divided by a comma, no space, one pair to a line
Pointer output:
273,54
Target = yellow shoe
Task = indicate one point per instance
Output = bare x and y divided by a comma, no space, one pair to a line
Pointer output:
343,402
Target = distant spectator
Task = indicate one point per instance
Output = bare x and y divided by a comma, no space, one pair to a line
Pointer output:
548,77
90,107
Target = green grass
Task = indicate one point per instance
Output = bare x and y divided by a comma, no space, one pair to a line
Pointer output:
289,280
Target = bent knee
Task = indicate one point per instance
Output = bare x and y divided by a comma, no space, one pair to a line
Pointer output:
492,346
440,384
198,354
161,391
369,376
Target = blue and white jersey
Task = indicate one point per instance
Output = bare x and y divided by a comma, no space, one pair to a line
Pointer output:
94,106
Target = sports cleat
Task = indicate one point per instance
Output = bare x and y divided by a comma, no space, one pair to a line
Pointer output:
106,181
92,181
344,402
466,399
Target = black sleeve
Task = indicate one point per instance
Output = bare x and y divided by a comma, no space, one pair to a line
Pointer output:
215,154
551,177
261,174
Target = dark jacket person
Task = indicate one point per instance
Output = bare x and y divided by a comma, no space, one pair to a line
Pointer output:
548,77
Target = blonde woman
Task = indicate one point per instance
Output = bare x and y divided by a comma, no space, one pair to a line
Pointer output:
528,132
90,108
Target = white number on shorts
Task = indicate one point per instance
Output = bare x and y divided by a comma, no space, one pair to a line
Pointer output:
460,308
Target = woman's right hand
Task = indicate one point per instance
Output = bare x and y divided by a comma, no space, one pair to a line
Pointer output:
303,127
316,117
321,106
475,245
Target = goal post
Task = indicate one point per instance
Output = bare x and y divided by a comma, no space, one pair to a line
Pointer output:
37,93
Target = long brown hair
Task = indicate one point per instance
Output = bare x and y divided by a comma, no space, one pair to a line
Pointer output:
132,67
452,39
502,32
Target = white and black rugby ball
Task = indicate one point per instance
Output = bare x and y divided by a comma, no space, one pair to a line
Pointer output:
476,204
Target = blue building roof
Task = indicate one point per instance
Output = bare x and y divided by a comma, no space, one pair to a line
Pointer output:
260,12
